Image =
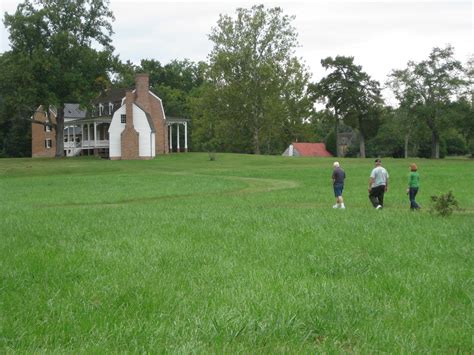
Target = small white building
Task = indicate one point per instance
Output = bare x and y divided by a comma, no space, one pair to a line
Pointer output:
142,124
138,129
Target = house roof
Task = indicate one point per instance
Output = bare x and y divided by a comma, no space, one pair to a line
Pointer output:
177,119
110,95
312,149
73,111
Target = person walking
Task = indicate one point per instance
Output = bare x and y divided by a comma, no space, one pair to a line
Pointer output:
378,184
413,186
338,177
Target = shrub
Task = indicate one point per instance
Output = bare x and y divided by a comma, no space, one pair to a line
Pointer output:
331,143
444,205
456,146
471,148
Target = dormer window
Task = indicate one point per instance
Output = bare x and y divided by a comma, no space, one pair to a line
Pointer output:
101,109
47,128
111,108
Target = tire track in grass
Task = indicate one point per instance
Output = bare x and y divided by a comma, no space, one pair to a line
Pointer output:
254,185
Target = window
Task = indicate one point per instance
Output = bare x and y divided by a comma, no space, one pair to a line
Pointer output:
123,118
47,128
111,108
47,143
101,109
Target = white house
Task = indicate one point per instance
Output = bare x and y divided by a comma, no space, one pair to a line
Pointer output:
142,124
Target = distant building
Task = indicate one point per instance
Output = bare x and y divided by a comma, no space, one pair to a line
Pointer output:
346,139
307,150
121,125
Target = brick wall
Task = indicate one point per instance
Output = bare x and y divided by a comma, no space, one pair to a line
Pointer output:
39,135
161,141
129,136
154,107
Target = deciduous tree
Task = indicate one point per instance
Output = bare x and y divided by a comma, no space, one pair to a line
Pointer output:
352,96
260,86
58,38
432,85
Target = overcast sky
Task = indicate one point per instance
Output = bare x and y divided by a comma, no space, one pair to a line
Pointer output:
381,35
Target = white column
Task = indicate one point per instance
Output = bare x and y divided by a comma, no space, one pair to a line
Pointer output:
177,139
89,135
185,136
67,141
95,134
171,138
74,140
82,140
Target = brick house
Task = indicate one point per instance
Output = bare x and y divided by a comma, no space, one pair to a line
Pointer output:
121,125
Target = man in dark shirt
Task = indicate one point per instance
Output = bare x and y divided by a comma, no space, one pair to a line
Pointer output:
338,177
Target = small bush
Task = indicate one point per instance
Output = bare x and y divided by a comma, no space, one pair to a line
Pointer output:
330,142
211,148
444,205
456,146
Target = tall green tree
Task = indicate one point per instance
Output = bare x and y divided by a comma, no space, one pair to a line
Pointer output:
431,84
352,96
58,38
18,96
259,86
406,114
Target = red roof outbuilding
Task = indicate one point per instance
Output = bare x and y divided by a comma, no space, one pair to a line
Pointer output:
310,150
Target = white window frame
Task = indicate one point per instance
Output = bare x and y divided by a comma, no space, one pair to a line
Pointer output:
48,143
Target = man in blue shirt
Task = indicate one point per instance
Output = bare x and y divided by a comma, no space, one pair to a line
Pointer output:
338,177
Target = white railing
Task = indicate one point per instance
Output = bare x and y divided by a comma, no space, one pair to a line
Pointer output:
87,144
104,143
71,145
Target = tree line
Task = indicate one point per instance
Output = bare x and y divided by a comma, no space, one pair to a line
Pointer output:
253,95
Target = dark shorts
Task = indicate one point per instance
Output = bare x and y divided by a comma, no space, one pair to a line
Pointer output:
338,190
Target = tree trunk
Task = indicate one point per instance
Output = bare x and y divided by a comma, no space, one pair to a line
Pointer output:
361,145
60,131
336,133
435,145
256,139
407,136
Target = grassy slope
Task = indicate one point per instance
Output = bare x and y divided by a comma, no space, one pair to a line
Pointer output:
241,254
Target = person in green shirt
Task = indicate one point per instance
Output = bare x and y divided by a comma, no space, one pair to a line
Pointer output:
413,186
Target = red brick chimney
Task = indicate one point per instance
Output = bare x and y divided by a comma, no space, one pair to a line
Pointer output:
142,86
154,107
129,100
129,136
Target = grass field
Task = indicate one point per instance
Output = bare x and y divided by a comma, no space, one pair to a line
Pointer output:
243,254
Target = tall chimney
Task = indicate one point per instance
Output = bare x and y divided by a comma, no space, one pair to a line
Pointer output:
129,99
142,87
129,136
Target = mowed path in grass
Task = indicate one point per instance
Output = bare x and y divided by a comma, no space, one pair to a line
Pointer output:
245,253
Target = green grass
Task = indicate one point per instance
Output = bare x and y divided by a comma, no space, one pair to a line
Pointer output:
242,254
